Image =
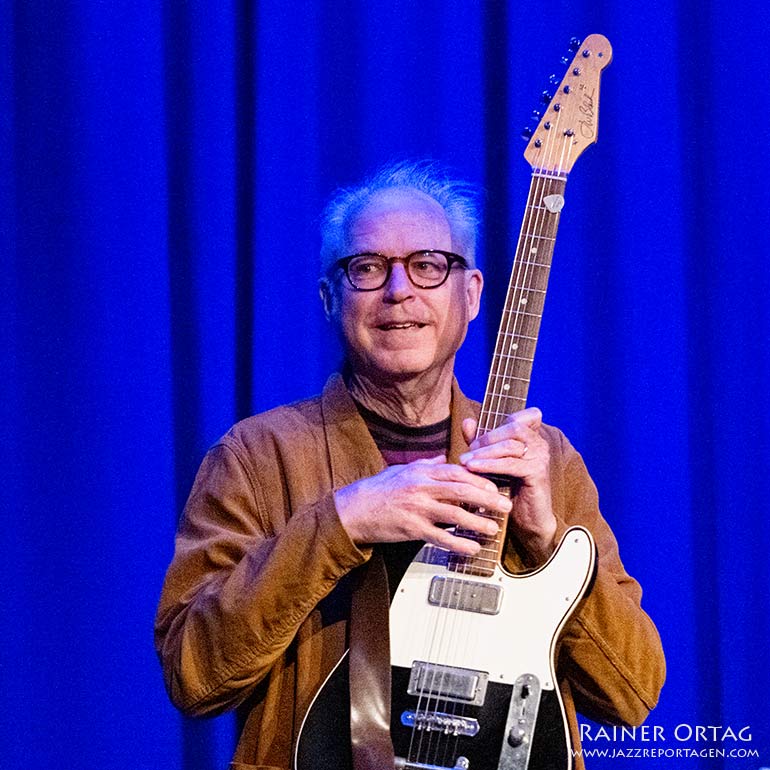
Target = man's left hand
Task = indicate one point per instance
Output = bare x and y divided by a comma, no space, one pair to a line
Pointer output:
517,449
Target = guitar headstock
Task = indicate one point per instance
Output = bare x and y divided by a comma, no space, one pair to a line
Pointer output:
571,120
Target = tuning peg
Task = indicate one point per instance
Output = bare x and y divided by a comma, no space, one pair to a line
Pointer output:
565,59
546,97
526,133
574,44
554,80
536,115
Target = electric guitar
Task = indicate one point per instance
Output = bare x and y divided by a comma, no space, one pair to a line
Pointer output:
472,646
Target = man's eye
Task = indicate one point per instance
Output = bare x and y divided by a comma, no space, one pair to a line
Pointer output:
428,266
366,267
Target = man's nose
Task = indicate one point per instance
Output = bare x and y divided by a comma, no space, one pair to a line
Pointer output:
398,286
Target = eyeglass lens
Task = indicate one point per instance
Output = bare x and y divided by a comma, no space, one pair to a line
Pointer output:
425,269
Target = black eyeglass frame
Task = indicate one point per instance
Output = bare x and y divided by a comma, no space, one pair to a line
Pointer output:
451,260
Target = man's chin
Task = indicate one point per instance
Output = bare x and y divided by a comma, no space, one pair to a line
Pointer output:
400,368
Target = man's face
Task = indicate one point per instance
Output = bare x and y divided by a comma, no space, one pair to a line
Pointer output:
399,332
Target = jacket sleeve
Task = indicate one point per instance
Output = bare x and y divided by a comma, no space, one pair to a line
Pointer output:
610,651
237,591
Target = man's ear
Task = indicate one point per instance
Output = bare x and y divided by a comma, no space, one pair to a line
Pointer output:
326,292
473,288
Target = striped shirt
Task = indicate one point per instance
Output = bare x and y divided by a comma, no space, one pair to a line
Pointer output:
402,444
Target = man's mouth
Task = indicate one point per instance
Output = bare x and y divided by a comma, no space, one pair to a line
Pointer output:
401,325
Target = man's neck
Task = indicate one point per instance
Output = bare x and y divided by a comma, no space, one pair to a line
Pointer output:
423,400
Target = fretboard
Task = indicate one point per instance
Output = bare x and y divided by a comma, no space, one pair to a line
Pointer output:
511,368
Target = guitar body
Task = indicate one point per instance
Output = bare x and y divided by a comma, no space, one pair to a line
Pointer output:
472,660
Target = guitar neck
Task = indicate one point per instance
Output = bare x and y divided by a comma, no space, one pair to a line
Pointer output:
511,368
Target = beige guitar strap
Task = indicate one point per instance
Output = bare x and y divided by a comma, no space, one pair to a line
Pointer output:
370,669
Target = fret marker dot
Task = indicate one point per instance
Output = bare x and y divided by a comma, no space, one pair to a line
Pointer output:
533,251
523,301
506,386
515,346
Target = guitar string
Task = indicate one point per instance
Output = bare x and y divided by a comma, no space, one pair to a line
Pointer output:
520,276
517,318
523,275
440,634
518,280
446,601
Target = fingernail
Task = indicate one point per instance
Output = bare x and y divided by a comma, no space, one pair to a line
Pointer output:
465,457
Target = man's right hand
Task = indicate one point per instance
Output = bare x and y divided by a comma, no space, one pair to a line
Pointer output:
408,502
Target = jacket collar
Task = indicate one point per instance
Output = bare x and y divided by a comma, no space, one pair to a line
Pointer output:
351,449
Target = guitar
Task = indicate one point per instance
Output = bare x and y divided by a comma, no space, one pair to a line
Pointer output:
472,646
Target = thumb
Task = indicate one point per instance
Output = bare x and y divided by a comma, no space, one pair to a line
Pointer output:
469,429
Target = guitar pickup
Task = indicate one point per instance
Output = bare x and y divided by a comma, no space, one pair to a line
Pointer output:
462,685
467,595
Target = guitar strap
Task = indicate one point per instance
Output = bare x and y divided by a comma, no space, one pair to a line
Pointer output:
370,669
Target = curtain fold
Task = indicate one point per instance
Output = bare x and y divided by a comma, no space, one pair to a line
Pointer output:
163,169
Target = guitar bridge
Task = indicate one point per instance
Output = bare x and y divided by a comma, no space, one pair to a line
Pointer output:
449,724
461,763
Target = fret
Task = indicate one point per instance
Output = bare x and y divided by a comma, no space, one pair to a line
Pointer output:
535,207
520,336
513,335
508,377
528,289
539,237
516,311
520,261
506,355
505,376
469,559
499,397
500,414
518,358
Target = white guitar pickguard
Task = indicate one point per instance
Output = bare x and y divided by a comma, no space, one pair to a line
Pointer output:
520,638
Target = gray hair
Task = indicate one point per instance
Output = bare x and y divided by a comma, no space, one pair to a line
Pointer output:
457,198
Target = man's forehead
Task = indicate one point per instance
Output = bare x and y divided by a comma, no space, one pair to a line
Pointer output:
404,208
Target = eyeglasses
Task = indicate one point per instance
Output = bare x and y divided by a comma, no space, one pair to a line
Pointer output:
425,269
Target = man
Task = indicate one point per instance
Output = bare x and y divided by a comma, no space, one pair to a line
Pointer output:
291,508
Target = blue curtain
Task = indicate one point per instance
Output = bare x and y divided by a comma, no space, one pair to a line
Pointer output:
163,167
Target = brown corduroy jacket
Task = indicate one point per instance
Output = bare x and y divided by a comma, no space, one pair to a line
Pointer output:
255,605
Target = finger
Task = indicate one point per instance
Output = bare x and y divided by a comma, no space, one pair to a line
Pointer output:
445,539
512,447
507,466
465,519
531,416
452,473
484,495
437,460
508,430
469,426
483,499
